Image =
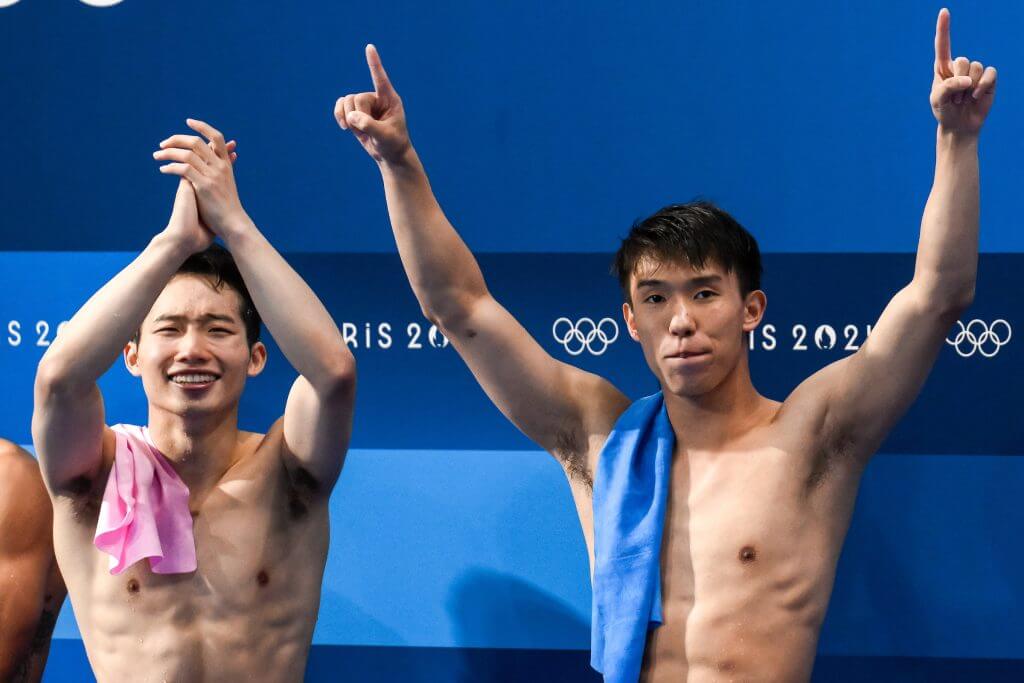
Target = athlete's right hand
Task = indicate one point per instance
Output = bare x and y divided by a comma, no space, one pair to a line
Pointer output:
184,227
376,118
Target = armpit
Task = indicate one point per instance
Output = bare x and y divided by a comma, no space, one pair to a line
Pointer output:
572,454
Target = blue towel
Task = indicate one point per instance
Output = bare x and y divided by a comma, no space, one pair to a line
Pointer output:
630,488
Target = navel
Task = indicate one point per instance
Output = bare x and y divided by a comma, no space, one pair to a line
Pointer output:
263,578
133,586
747,554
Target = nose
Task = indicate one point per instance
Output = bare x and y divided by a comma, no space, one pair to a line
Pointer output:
191,348
682,323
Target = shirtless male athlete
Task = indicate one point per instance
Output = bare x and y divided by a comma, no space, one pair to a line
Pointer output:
31,588
258,501
760,492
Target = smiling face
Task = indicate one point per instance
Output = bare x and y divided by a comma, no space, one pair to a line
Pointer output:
691,323
192,353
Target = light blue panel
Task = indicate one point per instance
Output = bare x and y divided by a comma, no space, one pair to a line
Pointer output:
455,548
484,549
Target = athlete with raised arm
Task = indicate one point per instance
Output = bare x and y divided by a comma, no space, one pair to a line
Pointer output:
759,493
31,588
192,550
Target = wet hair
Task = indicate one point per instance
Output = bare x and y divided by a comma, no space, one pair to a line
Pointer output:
695,233
217,264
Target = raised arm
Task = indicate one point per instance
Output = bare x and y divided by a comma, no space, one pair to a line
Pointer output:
869,391
317,419
68,423
558,406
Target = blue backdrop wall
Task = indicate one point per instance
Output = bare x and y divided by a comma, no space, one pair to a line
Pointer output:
547,129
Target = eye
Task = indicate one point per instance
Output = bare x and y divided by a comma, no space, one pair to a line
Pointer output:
654,299
220,330
705,294
162,330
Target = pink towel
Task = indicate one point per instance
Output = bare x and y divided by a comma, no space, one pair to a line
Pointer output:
145,511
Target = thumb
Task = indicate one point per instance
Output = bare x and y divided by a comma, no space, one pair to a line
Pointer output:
364,123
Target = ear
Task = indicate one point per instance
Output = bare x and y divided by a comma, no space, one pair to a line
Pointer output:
131,358
753,310
627,315
257,359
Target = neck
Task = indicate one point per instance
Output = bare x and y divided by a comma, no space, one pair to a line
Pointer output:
201,448
712,420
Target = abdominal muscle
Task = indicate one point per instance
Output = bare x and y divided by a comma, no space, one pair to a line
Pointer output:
748,559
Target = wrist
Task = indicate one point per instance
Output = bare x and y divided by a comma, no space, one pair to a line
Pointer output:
170,245
401,164
235,227
956,139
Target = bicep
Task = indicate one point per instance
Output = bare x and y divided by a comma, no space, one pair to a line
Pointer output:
68,431
873,388
317,428
551,402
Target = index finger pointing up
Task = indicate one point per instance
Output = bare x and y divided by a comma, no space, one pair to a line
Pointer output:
381,84
943,55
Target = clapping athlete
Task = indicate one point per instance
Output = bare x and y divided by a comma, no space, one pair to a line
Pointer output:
713,516
193,550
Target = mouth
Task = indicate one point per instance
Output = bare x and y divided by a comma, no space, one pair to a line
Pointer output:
689,354
686,358
193,380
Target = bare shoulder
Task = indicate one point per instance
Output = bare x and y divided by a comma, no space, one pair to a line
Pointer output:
806,427
25,513
19,473
269,450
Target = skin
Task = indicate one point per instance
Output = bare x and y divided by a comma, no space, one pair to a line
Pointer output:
259,501
31,588
761,491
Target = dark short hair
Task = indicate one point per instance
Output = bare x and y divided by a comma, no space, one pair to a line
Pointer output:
217,264
695,233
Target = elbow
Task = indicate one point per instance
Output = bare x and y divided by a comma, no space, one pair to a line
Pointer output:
952,304
339,374
450,312
53,376
948,300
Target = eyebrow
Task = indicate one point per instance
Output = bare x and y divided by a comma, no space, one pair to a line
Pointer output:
692,282
208,317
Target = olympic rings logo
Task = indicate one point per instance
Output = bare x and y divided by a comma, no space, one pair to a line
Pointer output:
585,335
978,336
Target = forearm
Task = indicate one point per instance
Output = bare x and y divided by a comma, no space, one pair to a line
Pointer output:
441,269
95,336
298,321
947,254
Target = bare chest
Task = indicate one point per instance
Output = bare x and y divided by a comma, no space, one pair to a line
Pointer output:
248,531
748,557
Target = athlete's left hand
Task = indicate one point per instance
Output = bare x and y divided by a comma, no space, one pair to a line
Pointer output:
207,165
962,90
